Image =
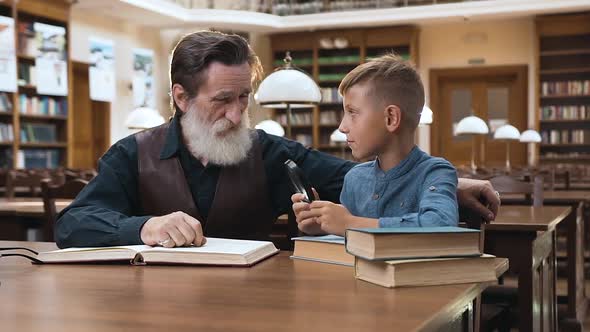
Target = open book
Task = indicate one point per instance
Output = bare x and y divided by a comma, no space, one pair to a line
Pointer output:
215,252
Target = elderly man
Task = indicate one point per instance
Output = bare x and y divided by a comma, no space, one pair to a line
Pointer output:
205,173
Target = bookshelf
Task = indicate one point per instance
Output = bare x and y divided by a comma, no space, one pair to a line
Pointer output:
564,90
35,129
327,56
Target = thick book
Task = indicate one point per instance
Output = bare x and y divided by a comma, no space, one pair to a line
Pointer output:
215,252
412,242
429,272
325,249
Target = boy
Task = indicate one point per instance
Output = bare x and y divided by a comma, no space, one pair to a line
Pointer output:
403,186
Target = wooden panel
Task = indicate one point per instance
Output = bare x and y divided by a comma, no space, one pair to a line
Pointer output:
390,36
557,25
81,116
291,41
54,9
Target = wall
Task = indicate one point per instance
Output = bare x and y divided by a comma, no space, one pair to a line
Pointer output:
501,42
126,37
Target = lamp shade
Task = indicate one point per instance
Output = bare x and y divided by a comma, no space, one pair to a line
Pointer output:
338,136
271,127
530,136
143,118
471,125
507,132
288,86
425,116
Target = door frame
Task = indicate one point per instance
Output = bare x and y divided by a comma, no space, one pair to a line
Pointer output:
436,76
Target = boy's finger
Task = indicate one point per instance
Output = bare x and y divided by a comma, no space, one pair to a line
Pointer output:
296,198
315,194
298,207
318,204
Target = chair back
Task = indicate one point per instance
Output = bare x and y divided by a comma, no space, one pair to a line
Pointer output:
533,191
51,192
31,180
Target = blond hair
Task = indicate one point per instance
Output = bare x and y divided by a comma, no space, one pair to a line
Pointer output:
395,81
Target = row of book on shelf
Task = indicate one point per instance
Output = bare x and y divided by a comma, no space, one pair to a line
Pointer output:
330,95
27,74
401,257
31,158
38,132
565,112
566,155
43,105
330,117
6,132
299,118
566,136
565,88
5,103
305,139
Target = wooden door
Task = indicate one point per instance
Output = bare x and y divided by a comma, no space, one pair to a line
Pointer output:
91,137
497,95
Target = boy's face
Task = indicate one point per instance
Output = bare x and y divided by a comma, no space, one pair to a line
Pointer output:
363,122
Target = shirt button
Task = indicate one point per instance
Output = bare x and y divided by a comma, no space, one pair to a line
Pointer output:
432,188
375,196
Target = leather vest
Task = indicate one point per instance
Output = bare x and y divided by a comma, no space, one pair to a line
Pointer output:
241,207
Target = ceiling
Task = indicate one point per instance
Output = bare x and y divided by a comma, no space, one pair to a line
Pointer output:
162,14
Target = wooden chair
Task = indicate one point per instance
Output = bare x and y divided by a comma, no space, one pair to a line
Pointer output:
51,192
533,192
24,179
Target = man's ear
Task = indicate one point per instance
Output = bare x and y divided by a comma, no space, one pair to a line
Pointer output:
180,97
393,118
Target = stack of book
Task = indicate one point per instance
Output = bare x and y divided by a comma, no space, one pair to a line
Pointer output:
399,257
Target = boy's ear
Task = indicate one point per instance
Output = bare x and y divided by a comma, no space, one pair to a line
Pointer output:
393,118
180,97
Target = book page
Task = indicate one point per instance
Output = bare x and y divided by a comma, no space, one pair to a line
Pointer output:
137,248
217,246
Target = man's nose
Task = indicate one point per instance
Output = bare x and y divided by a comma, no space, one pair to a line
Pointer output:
234,115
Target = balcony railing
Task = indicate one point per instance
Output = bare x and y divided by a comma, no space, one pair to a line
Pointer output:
301,7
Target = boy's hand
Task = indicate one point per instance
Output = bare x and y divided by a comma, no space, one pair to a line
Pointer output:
306,225
332,218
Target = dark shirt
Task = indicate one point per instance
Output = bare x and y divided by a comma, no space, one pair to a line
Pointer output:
107,211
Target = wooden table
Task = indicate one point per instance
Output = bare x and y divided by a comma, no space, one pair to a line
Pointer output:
19,214
526,236
577,239
278,294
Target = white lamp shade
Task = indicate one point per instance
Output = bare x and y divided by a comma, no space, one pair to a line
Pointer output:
288,86
530,136
425,116
143,118
338,136
507,132
472,125
271,127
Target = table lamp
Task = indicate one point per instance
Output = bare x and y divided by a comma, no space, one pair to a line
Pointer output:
144,118
531,137
425,116
271,127
339,138
507,133
288,87
472,125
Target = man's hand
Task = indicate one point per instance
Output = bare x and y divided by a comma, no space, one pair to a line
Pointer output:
477,198
176,229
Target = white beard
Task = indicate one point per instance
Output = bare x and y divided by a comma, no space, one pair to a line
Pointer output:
204,143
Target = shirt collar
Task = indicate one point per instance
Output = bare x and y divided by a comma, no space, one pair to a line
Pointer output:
402,168
173,138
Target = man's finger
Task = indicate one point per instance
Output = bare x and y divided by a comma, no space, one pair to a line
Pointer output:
178,239
187,231
197,228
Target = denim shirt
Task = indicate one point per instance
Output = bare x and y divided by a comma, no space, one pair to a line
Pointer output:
421,191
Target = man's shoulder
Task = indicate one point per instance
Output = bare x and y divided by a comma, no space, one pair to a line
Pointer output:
126,147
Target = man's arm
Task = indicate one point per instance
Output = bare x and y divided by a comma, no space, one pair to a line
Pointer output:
104,213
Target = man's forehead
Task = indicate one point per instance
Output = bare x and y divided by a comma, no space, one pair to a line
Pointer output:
221,77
